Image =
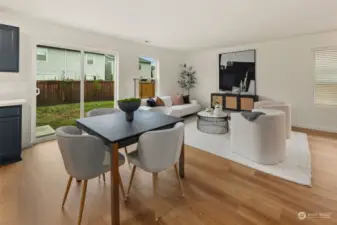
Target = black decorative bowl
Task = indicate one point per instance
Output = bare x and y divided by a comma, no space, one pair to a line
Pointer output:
129,108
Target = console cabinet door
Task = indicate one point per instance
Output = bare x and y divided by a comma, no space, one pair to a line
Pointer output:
217,99
10,138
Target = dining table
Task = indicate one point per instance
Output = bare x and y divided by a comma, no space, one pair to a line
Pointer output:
117,133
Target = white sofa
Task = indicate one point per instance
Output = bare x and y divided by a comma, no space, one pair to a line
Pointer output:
278,105
173,110
262,140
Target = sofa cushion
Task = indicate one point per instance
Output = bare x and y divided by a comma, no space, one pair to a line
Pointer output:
178,100
163,109
159,102
151,102
184,110
186,99
143,102
167,100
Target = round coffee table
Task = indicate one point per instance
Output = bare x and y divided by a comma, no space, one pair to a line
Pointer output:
211,123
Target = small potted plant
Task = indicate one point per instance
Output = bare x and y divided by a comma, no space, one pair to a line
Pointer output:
129,105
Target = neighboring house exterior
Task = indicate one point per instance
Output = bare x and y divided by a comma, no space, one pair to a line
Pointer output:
60,64
145,66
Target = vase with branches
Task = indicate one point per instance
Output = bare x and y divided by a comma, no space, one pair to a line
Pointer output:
187,79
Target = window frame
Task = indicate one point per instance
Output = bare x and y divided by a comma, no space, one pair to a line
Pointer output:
93,59
315,82
42,50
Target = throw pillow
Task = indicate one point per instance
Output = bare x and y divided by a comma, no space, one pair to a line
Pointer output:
186,99
178,100
150,102
159,102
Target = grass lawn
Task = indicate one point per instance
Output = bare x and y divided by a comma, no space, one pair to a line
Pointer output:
66,114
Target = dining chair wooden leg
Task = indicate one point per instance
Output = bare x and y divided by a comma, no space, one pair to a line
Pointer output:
131,179
179,180
155,195
84,191
121,186
126,153
67,191
103,177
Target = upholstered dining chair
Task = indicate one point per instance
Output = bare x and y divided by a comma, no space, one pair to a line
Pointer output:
105,111
84,157
158,151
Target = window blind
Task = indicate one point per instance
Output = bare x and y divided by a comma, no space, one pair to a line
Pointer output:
326,77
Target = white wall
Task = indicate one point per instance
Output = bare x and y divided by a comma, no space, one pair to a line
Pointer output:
284,71
34,31
244,56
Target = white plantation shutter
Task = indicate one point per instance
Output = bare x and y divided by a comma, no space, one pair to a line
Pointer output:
326,77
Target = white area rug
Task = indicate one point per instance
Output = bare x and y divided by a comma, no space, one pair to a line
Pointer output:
296,167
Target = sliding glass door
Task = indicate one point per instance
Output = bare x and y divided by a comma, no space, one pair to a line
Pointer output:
69,83
99,72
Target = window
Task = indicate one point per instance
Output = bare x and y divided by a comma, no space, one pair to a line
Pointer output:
42,55
90,59
326,77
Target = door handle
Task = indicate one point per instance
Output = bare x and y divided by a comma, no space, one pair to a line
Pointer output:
37,91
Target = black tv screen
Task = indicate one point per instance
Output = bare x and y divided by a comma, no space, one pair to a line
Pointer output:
9,48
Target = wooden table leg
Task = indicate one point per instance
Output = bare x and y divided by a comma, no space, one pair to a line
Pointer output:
114,186
182,161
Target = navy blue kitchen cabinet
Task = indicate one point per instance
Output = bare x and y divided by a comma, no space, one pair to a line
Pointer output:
10,134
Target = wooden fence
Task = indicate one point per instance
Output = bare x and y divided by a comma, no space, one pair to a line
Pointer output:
63,92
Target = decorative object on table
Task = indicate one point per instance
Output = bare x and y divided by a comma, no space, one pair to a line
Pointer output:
129,105
211,123
237,69
217,109
209,110
187,78
159,102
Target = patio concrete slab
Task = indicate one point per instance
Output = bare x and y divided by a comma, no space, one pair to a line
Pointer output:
43,131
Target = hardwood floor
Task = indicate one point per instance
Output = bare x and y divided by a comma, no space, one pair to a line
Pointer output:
217,191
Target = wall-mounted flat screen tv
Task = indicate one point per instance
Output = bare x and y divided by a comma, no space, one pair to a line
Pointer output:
9,48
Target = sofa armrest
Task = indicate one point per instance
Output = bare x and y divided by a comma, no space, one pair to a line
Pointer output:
194,102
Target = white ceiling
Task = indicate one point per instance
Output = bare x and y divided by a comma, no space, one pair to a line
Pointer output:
188,24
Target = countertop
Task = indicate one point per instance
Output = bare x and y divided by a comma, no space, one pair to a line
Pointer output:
12,102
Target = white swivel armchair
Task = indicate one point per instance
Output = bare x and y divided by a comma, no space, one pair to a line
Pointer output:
262,140
278,105
158,151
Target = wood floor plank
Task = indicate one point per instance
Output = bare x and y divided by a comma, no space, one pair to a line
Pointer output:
217,192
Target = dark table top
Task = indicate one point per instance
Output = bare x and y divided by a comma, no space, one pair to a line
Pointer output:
114,128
